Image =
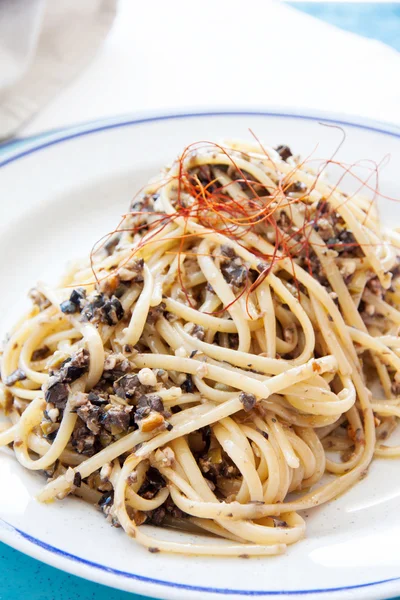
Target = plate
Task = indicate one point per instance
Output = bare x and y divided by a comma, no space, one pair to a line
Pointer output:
58,196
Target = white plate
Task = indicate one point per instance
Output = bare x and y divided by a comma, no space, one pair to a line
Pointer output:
60,195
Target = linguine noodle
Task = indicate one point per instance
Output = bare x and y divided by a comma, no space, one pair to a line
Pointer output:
209,369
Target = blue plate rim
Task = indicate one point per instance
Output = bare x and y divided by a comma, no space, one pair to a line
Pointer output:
48,139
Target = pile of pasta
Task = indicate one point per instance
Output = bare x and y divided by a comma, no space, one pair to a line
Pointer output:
209,367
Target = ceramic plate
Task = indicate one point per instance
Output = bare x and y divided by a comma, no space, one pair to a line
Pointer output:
58,196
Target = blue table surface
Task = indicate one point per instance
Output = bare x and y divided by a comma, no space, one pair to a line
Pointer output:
24,577
379,21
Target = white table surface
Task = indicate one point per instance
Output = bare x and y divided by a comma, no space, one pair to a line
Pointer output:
168,54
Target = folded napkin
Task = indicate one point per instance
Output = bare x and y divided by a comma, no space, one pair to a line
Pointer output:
43,45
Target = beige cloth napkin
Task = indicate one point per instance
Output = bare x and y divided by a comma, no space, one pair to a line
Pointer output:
43,45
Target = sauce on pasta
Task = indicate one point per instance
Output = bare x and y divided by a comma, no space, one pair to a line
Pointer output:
209,369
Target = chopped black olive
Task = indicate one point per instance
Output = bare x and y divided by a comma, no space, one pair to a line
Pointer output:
51,436
90,415
279,522
97,400
234,274
155,313
155,478
198,332
77,296
83,441
40,353
152,402
153,483
73,372
104,309
106,500
157,516
296,188
142,413
68,307
228,251
248,400
112,243
98,301
125,387
187,385
113,311
284,152
116,419
57,393
17,375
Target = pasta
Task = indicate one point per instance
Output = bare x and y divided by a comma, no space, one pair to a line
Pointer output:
209,368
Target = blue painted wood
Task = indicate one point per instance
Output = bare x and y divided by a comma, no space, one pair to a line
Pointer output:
379,21
26,578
